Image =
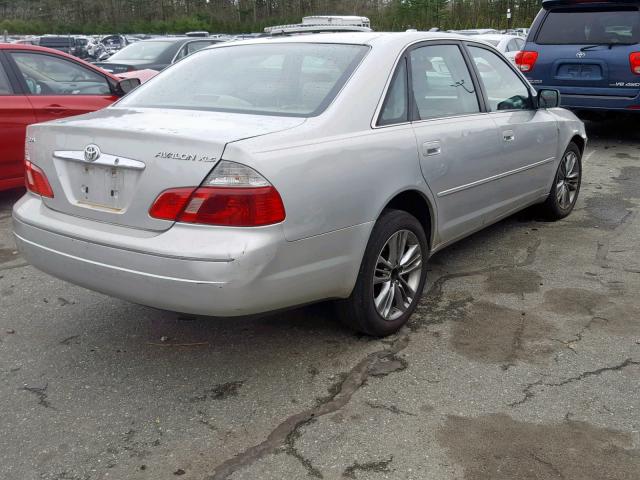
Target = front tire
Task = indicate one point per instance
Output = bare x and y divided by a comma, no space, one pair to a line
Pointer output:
391,277
566,185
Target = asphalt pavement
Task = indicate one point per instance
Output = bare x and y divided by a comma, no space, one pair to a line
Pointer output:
522,362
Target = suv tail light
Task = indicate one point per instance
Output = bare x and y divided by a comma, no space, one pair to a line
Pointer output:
232,195
526,59
634,62
36,181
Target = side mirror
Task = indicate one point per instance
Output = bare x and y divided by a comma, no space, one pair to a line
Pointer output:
548,98
126,85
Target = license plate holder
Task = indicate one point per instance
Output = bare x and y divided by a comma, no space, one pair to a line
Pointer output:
101,186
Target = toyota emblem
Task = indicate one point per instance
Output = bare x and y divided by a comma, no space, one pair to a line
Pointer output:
581,54
91,153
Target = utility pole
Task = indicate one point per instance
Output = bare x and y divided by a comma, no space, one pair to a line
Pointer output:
508,18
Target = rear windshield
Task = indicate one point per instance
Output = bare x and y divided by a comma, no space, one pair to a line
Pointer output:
56,42
593,26
141,51
286,79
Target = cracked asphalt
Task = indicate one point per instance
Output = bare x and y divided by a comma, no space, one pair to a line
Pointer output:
522,362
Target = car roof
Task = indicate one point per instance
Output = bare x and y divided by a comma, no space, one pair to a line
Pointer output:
354,38
495,36
36,48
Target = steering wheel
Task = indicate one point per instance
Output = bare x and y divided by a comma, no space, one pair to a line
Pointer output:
36,87
45,89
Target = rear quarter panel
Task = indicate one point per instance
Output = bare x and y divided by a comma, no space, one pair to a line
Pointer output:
334,182
336,170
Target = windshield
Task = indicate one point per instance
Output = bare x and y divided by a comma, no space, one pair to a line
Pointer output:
287,79
141,51
593,26
492,42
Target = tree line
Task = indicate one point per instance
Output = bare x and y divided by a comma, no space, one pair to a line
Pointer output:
244,16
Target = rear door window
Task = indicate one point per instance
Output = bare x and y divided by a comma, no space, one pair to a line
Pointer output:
441,82
192,47
592,26
195,46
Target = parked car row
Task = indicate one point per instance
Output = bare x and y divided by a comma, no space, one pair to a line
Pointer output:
217,194
82,46
100,48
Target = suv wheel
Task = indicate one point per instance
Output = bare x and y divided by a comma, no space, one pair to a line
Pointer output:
391,277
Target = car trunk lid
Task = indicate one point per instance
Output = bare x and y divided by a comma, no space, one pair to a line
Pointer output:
124,66
111,165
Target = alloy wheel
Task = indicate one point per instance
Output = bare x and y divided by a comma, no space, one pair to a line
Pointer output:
568,180
397,274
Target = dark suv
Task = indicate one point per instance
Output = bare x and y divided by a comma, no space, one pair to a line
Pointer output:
67,44
588,50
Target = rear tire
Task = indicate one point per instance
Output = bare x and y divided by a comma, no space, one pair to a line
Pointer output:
391,277
566,185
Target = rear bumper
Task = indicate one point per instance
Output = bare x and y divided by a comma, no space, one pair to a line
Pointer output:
193,269
596,102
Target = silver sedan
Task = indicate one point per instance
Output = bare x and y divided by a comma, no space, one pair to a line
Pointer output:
266,174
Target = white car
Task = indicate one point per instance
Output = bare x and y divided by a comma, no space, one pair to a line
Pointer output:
508,45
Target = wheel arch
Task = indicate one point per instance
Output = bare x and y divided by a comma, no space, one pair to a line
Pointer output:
580,142
417,204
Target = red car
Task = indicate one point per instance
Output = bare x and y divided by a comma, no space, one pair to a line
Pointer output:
39,84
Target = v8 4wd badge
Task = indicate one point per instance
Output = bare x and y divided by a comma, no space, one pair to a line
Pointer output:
625,84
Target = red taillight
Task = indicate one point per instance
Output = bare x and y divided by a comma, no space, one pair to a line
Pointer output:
36,181
634,62
525,60
228,206
171,203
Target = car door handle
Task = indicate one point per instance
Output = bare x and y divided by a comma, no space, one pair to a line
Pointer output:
54,109
431,148
508,136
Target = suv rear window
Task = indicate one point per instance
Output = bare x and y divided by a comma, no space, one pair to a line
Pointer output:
592,26
57,42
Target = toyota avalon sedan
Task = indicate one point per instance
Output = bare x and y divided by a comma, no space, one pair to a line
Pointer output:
265,174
